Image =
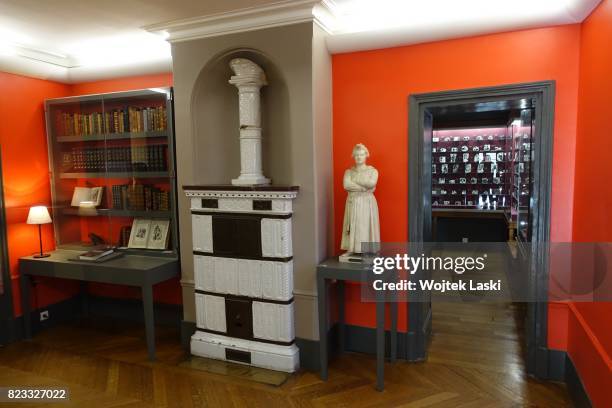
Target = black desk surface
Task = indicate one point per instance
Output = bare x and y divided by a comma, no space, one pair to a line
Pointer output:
132,270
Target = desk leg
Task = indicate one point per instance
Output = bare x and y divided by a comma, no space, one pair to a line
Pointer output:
26,283
393,330
322,303
147,304
341,316
380,342
393,322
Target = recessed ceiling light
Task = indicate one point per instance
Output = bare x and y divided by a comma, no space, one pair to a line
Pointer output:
124,49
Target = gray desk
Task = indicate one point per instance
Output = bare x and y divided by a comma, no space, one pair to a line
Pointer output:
341,272
130,270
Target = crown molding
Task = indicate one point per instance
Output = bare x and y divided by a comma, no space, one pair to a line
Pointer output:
249,19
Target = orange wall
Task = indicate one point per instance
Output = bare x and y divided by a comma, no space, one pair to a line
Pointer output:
590,331
370,96
26,176
122,84
26,182
166,292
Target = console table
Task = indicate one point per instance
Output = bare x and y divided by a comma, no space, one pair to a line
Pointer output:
332,269
130,270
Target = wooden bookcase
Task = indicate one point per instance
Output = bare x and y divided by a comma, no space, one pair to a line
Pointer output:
124,143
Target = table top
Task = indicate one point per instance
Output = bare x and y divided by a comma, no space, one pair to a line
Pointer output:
133,270
332,268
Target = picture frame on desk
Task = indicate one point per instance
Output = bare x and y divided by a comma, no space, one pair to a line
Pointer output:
158,235
139,235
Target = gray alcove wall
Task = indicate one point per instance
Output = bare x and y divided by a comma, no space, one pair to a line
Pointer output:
216,136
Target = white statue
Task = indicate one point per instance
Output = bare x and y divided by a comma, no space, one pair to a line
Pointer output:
361,212
249,78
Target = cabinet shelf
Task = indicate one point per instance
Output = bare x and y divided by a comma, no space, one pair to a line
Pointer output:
122,174
112,212
113,136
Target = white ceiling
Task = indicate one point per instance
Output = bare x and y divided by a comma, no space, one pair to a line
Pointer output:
73,41
98,38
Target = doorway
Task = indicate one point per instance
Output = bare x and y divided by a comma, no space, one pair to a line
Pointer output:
474,187
6,301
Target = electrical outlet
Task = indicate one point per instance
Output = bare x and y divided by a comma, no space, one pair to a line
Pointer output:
44,315
464,239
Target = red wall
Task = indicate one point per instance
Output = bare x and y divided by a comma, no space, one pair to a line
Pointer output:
590,329
26,182
26,176
370,97
122,84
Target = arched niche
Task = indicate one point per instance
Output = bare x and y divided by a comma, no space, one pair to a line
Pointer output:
216,126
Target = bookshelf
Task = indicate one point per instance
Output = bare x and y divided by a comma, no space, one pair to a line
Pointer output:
122,145
125,174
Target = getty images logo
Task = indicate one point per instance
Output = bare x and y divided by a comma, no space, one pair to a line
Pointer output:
457,264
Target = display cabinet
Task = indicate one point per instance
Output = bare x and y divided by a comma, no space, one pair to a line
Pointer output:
470,169
112,169
521,135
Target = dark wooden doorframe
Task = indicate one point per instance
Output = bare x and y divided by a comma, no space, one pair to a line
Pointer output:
419,203
6,299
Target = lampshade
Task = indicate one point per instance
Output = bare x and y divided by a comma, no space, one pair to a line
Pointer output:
38,215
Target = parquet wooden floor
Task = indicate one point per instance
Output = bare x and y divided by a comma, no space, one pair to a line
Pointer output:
475,361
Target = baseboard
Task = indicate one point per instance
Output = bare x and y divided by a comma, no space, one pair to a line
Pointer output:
5,331
556,365
59,312
187,330
309,354
574,385
561,368
72,308
356,339
363,340
131,310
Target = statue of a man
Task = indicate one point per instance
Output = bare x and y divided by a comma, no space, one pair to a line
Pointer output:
361,224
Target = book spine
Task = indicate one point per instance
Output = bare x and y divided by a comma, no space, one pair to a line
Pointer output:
126,120
116,191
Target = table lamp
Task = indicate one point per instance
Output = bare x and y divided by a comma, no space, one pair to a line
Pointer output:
39,215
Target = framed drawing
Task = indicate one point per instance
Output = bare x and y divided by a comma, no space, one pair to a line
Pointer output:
158,236
139,236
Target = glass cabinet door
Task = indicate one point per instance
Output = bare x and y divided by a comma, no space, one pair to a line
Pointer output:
469,169
140,169
76,133
522,153
112,168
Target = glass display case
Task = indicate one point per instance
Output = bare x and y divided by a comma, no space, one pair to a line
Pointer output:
470,169
112,169
521,133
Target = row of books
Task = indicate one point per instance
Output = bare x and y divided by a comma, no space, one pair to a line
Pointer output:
128,119
140,197
117,159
